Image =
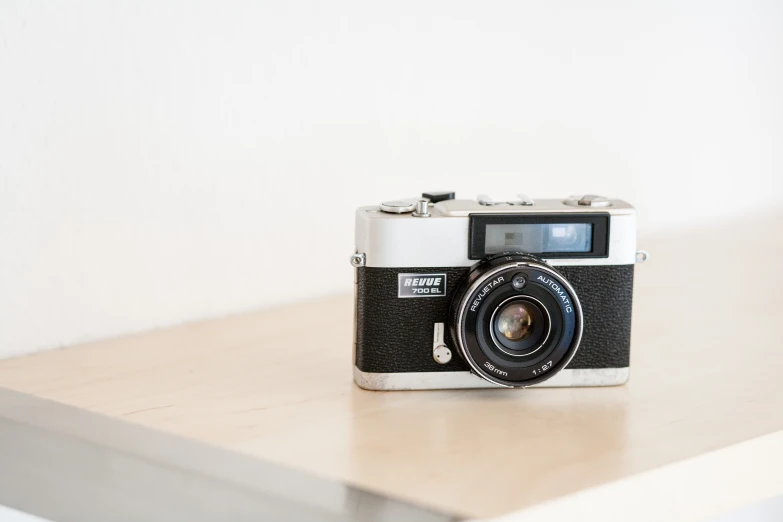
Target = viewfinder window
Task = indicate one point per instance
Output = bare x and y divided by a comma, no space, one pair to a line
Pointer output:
539,238
566,235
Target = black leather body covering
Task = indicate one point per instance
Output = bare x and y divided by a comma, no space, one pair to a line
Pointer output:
395,334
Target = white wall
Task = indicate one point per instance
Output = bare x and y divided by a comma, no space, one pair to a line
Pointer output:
162,162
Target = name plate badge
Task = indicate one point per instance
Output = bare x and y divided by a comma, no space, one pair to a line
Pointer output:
421,285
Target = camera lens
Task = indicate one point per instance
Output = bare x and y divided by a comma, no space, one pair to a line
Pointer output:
519,326
515,321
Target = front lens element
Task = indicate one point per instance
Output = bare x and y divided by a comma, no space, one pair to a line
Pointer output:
515,321
518,326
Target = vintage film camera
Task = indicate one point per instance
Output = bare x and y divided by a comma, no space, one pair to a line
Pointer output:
456,293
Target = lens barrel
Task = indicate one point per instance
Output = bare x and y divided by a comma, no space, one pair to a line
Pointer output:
515,320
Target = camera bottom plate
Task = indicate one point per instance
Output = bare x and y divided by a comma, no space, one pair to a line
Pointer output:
452,380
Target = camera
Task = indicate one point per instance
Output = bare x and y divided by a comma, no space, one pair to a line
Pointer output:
506,292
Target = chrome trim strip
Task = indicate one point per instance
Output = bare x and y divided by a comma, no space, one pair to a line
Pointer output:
395,240
457,380
66,464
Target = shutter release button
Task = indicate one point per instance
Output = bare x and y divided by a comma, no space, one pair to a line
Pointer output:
593,201
588,200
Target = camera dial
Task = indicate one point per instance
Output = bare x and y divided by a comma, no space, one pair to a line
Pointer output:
516,320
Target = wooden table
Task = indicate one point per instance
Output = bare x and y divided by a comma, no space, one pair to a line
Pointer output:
698,429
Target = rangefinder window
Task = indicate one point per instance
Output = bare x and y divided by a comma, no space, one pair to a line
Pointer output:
549,235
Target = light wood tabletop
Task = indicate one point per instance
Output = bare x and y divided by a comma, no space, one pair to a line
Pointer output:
706,365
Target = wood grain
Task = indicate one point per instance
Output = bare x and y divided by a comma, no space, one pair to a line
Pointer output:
705,374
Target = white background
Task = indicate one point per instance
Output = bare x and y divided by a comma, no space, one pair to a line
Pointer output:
162,162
